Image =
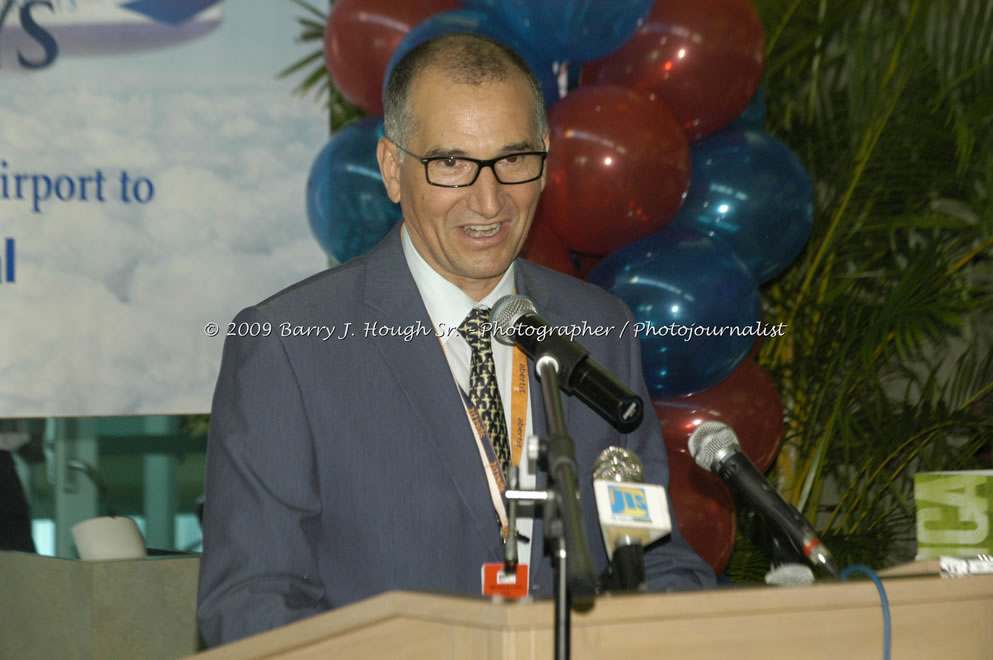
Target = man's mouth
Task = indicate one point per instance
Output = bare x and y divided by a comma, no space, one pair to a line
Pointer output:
482,231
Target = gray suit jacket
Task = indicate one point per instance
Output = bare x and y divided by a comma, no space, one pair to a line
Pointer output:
340,469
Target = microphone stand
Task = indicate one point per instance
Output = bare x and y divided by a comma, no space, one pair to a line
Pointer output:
565,534
575,584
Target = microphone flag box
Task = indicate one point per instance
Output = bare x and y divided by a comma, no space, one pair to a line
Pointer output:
635,510
954,513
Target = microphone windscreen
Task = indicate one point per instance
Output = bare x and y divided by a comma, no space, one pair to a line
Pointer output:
710,441
786,574
618,464
505,315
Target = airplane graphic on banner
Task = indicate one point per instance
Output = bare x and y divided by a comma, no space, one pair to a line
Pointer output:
35,33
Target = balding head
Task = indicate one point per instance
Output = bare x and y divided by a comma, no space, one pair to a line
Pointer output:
465,59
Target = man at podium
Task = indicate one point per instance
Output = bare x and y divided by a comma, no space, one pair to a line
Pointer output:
371,456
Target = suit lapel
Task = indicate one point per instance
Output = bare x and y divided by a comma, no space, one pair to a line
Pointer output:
421,371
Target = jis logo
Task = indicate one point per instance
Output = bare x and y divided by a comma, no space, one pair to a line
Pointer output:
628,501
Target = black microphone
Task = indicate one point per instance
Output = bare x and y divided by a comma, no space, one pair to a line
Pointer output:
516,323
714,447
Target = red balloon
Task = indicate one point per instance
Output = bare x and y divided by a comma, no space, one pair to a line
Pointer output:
360,37
747,401
545,248
703,59
618,168
704,509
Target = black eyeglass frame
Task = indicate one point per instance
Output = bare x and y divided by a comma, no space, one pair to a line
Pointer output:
480,164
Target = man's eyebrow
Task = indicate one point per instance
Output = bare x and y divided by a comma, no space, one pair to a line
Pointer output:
506,149
519,146
444,151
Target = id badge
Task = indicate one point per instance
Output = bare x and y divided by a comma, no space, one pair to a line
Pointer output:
497,582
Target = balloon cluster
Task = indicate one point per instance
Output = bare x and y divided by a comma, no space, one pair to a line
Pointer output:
662,187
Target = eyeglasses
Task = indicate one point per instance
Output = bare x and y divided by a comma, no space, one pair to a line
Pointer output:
458,171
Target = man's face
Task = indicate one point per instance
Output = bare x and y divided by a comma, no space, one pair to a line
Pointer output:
470,235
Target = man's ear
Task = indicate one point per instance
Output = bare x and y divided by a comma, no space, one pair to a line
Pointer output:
389,168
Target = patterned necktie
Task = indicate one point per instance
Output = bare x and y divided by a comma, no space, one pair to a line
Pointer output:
483,392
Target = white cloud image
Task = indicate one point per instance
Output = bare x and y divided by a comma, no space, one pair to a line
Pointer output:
107,312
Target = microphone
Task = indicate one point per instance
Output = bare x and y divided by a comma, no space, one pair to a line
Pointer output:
714,447
632,515
789,574
516,323
784,569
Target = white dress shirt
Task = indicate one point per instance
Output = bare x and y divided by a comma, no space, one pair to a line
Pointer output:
448,305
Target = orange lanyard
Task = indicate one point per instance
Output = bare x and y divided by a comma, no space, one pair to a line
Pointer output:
518,426
518,405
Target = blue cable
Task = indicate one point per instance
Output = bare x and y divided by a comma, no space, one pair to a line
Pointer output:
860,568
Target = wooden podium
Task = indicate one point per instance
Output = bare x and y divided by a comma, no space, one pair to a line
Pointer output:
932,618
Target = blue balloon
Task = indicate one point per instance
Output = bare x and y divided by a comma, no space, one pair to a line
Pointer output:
461,21
752,118
751,190
696,307
347,206
567,29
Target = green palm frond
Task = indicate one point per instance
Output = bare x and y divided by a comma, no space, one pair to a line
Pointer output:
887,368
316,79
314,11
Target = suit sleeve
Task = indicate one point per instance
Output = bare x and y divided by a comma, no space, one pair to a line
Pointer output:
670,563
262,506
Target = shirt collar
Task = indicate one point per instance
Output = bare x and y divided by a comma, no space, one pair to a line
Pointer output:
447,304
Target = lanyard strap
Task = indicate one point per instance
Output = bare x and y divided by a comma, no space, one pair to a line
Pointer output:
495,478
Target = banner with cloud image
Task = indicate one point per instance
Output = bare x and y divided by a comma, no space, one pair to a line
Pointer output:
153,171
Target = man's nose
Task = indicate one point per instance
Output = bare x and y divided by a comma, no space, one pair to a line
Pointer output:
487,193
